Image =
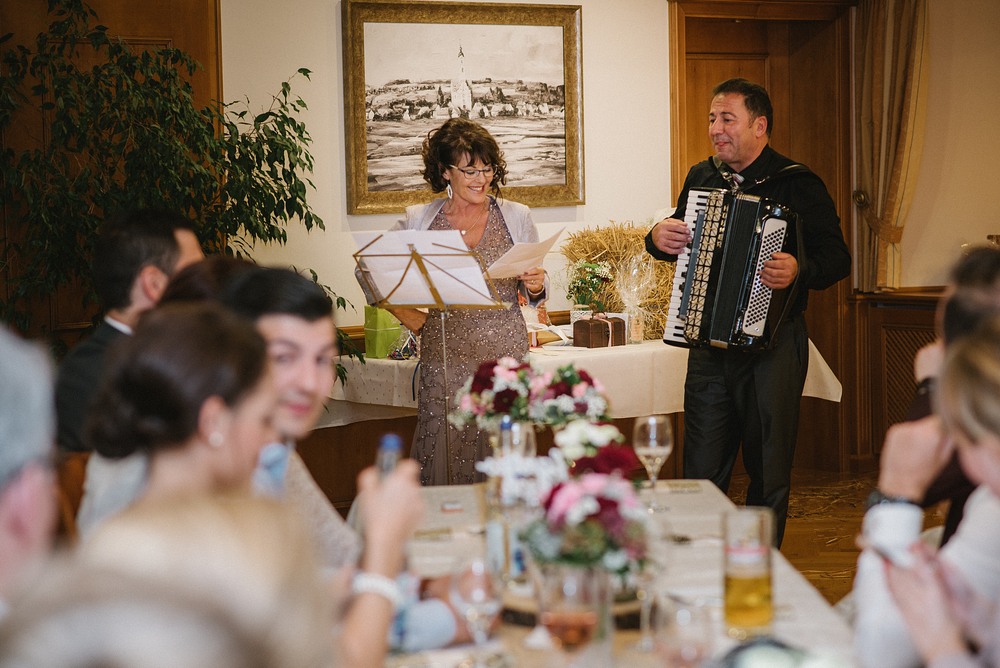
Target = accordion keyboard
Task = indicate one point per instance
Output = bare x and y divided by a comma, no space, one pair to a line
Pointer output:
673,332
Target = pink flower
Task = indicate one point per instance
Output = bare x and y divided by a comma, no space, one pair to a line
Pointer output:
564,498
579,390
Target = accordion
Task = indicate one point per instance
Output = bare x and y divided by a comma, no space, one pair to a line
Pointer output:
717,298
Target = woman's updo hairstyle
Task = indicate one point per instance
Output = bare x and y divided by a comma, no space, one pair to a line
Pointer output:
458,137
158,379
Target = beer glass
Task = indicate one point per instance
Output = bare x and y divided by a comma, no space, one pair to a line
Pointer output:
749,608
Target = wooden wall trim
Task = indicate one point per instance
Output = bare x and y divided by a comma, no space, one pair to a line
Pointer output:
773,10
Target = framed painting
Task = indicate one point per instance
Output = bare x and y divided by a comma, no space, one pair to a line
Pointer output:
410,66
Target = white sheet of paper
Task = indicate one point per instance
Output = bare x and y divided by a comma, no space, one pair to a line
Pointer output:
453,269
522,257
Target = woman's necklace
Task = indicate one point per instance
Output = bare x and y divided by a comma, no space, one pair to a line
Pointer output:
476,224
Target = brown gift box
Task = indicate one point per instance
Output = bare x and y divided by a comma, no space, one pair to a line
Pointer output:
594,332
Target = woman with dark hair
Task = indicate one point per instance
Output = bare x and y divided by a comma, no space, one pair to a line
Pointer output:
462,159
191,390
205,280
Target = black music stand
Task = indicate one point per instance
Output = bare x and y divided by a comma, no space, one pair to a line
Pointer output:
427,269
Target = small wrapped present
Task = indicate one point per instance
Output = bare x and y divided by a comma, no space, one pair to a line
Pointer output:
381,332
599,331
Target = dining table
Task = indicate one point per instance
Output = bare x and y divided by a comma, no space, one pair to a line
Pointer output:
639,379
687,549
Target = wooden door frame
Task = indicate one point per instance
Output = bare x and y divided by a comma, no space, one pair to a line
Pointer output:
678,11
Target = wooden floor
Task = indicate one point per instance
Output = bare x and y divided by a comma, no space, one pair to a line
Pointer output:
824,518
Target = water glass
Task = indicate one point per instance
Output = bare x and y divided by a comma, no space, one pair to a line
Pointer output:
476,593
683,635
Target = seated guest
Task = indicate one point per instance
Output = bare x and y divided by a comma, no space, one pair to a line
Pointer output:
192,391
973,295
198,581
134,257
295,317
27,437
931,608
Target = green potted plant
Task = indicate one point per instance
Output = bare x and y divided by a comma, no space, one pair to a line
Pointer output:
123,131
586,284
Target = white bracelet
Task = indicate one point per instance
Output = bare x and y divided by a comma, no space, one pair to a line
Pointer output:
374,583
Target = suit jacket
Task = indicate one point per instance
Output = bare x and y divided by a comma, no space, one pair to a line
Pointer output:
77,383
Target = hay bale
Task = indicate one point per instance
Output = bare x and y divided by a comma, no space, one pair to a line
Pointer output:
617,243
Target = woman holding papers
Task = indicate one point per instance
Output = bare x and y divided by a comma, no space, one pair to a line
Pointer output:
463,160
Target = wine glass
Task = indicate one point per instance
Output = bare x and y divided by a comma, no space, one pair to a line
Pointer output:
653,441
683,632
475,592
645,584
569,604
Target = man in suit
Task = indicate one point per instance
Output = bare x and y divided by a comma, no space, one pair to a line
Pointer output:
732,398
27,427
134,258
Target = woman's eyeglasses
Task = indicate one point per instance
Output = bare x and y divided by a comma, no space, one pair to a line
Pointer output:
472,172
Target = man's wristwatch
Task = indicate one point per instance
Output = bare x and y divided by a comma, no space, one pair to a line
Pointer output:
877,497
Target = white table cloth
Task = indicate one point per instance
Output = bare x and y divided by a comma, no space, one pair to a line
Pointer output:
803,618
640,379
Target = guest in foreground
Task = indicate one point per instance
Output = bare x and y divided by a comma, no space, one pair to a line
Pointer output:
462,159
972,297
192,390
200,581
27,437
939,608
734,399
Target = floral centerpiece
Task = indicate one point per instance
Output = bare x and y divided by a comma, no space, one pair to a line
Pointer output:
594,520
587,281
595,447
509,387
499,387
566,394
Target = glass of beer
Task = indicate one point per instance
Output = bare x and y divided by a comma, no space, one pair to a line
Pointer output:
749,607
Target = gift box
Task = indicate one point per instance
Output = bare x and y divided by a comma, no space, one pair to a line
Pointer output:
599,332
381,332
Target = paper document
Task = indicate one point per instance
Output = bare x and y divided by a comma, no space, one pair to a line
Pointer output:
521,258
391,263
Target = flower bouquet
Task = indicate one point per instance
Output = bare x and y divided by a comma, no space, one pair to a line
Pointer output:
499,387
595,520
594,447
509,387
587,281
566,394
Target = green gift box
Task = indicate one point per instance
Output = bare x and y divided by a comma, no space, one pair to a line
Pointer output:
381,332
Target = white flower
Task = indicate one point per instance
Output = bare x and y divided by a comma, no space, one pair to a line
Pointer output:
616,560
586,507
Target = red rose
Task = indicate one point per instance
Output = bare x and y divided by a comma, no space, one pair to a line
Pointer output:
483,378
503,400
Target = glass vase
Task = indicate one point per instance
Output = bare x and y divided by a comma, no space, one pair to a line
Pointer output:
578,311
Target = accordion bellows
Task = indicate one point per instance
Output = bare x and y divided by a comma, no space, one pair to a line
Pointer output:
599,332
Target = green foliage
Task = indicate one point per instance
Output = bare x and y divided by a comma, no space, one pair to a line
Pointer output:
587,280
120,130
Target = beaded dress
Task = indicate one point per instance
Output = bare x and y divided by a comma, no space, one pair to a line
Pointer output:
472,336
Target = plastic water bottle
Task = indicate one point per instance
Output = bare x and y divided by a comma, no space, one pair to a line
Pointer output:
390,449
506,438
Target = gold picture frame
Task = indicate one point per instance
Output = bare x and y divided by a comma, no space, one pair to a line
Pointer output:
386,119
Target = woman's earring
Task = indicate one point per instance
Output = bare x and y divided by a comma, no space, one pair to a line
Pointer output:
216,439
449,191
